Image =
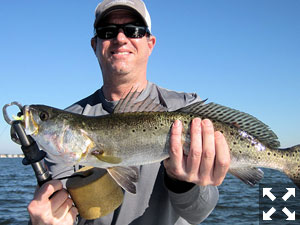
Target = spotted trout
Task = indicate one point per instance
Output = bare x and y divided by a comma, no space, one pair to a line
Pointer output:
138,133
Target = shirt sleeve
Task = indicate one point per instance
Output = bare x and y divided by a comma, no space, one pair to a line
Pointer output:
58,168
191,202
196,204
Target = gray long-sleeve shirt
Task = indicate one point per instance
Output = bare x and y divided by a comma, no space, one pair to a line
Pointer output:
155,203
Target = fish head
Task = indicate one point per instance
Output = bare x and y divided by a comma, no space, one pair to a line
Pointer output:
51,129
39,119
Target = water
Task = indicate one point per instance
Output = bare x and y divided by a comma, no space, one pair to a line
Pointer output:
238,203
17,185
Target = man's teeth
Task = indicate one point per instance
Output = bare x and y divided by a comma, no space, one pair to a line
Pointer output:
121,53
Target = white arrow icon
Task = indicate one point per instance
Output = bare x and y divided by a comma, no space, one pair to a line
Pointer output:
267,216
291,216
291,191
267,191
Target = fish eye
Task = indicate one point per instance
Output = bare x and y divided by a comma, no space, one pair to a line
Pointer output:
44,116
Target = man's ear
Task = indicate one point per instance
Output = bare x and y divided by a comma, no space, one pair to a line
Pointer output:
94,43
151,43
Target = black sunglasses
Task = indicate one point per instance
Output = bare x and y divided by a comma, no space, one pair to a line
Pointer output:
130,30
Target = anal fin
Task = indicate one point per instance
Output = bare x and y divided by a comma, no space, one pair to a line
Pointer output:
125,177
249,175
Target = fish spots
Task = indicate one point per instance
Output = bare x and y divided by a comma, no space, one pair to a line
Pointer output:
255,143
260,147
133,130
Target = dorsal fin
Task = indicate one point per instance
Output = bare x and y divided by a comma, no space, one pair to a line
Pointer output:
130,104
242,120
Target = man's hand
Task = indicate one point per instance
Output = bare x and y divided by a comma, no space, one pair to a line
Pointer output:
208,160
58,209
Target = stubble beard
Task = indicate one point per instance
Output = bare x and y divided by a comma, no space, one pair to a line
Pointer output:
120,70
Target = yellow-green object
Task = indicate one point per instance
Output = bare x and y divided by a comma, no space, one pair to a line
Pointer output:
18,117
95,193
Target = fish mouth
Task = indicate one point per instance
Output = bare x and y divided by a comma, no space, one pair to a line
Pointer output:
31,126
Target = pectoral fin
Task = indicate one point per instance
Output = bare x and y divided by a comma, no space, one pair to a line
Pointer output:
249,175
125,177
99,154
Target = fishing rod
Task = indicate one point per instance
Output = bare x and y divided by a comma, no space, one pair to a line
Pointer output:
33,155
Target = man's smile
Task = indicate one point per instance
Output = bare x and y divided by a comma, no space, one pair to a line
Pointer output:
120,53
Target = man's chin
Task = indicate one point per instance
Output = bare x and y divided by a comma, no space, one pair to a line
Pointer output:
123,70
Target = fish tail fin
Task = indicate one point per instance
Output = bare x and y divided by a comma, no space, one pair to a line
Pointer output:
292,169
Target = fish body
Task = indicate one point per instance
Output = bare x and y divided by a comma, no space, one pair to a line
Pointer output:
132,136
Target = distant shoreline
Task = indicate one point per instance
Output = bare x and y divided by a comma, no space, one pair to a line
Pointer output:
11,156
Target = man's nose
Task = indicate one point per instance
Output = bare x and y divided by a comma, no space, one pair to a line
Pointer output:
121,37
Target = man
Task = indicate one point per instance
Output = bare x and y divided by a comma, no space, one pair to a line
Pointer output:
182,189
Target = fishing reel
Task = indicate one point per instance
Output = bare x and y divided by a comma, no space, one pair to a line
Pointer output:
33,155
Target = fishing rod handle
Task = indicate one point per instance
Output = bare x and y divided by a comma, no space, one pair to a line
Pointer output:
41,173
33,155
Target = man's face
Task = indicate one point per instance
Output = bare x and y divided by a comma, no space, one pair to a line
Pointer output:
122,55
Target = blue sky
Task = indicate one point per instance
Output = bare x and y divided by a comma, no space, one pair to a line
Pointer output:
242,54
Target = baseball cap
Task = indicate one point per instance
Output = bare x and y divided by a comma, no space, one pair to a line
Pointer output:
137,6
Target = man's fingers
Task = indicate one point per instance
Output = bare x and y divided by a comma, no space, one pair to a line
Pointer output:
174,165
194,156
208,152
58,200
71,216
47,189
63,209
222,162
